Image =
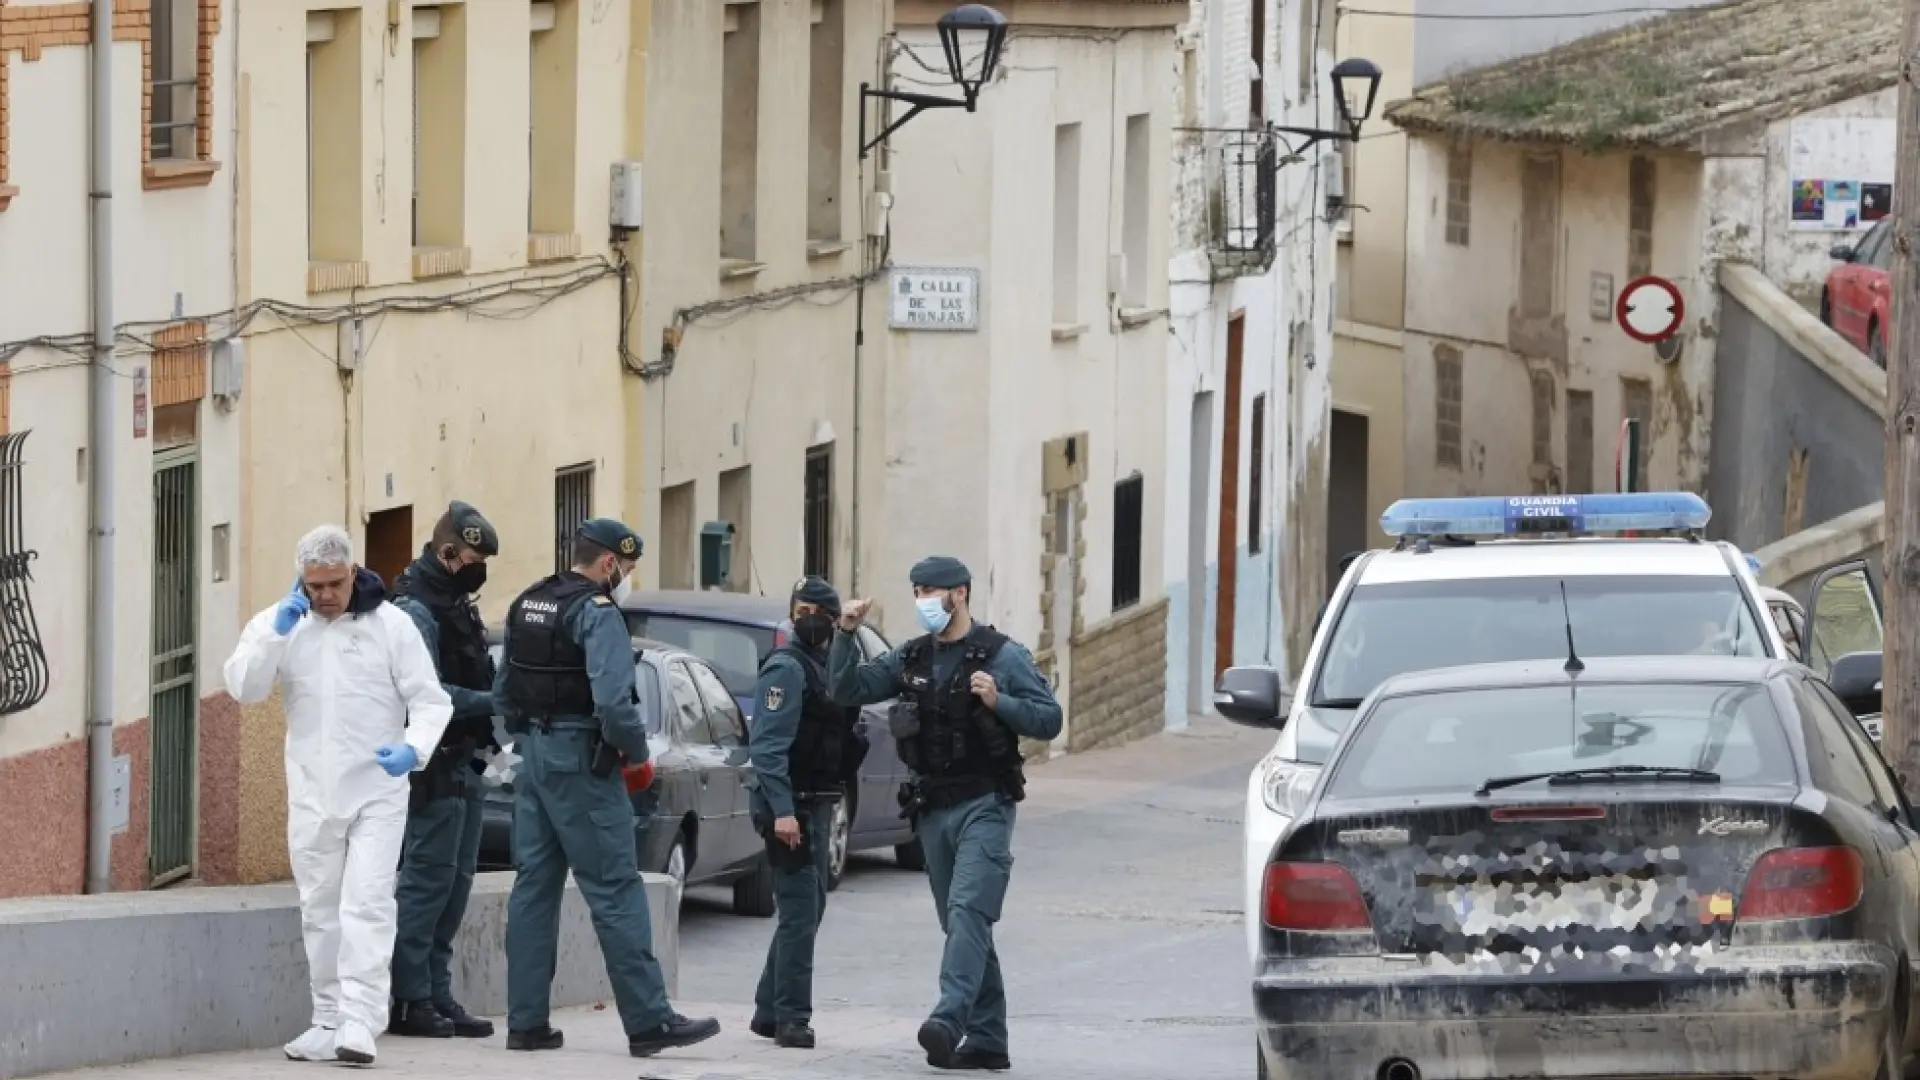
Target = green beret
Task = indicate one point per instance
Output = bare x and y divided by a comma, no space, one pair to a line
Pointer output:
612,535
815,590
473,530
940,572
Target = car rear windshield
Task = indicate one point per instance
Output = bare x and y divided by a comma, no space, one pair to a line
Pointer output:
1455,741
734,650
1390,629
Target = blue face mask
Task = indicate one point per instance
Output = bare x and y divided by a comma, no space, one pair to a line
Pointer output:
934,615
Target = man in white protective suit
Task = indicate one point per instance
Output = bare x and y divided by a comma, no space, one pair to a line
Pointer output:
364,707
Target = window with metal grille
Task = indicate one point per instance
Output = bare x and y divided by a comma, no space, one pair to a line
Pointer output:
174,79
1640,188
1449,390
817,530
1542,418
1129,500
1579,442
1459,193
1636,403
1257,474
572,504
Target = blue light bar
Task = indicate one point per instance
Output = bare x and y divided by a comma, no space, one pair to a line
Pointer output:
1520,515
1753,564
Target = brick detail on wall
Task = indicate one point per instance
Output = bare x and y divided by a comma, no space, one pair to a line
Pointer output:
30,30
180,363
1119,679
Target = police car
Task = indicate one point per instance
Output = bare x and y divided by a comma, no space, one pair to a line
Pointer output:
1484,580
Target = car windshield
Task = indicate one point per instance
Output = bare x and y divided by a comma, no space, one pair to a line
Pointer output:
1456,740
1390,629
734,650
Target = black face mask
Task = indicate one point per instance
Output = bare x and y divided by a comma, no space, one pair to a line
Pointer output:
813,630
470,577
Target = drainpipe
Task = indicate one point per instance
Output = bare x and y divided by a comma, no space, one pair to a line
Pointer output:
100,467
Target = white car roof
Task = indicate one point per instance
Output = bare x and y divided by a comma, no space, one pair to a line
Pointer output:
1582,557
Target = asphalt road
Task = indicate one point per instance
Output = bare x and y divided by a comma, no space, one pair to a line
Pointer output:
1122,946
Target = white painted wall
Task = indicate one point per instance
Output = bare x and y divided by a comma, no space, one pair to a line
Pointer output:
173,254
1797,261
968,412
1288,314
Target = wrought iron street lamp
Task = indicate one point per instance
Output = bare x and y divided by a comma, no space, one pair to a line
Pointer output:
971,36
1349,78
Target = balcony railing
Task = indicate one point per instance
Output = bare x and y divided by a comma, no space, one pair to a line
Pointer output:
1242,182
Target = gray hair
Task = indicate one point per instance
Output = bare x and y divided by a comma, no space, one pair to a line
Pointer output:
328,545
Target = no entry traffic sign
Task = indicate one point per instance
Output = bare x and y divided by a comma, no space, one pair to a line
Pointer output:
1650,309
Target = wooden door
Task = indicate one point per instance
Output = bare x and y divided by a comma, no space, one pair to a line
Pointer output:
1226,551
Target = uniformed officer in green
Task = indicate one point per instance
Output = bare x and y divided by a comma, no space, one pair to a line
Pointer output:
966,693
802,745
566,692
443,809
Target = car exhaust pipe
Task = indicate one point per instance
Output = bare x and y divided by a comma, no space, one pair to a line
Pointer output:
1398,1069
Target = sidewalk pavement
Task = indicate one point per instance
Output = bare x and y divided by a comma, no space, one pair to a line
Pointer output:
1121,940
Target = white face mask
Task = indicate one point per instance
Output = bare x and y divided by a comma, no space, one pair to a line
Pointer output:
933,613
623,590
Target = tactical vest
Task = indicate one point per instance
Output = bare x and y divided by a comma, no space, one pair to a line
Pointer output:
818,758
463,655
546,668
958,736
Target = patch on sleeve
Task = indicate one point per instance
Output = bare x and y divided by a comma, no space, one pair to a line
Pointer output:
598,599
776,697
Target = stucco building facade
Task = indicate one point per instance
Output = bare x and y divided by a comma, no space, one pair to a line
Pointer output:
1530,208
434,293
174,446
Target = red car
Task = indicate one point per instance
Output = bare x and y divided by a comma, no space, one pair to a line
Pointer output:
1856,299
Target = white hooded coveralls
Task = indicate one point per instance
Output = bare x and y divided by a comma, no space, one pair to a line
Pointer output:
352,685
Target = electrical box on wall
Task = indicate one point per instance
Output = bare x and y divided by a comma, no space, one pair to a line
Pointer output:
229,369
625,211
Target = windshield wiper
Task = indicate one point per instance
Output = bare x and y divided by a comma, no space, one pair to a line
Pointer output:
1602,774
1339,703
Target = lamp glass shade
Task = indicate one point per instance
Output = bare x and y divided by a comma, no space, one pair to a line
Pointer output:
971,35
1355,80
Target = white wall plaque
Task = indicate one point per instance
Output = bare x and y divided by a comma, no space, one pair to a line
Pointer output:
933,298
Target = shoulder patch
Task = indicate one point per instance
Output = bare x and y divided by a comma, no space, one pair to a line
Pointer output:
776,697
601,598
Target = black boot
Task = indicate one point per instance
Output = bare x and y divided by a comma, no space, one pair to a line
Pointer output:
540,1038
465,1024
794,1037
940,1042
676,1032
969,1058
766,1029
419,1020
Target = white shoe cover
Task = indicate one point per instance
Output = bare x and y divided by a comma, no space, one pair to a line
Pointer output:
316,1044
356,1044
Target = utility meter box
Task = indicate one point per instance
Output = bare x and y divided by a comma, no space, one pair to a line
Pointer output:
716,554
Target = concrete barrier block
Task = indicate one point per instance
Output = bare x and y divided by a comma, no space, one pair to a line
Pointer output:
100,980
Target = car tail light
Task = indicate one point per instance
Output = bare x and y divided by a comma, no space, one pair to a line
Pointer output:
779,637
1313,896
1549,813
1802,883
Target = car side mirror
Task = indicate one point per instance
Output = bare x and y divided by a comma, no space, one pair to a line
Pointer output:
1842,253
1856,681
1252,697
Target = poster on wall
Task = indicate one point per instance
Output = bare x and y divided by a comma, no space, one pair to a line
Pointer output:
1841,172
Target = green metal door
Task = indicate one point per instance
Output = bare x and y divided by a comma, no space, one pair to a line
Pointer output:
175,706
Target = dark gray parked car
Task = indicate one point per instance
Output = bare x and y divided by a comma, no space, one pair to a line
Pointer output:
692,823
735,632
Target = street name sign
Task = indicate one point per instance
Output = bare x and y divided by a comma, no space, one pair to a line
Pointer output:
933,298
1650,309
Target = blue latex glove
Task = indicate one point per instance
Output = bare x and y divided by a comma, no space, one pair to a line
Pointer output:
290,610
397,760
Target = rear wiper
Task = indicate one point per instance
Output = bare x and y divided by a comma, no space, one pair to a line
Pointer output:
1601,775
